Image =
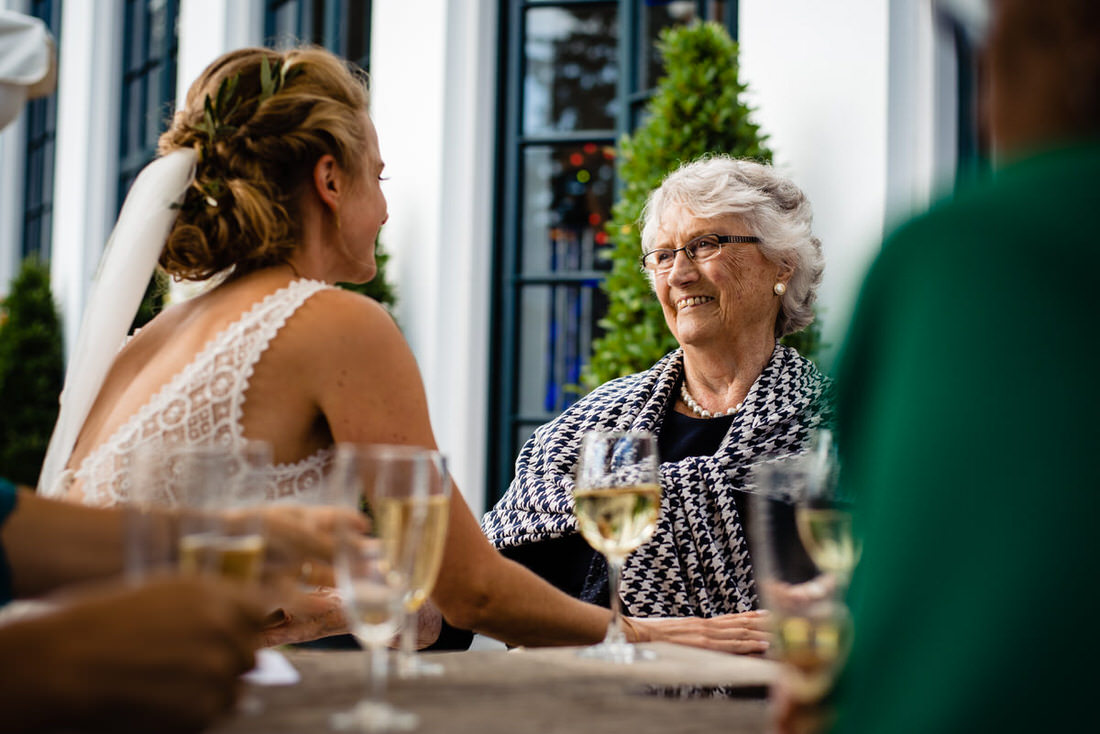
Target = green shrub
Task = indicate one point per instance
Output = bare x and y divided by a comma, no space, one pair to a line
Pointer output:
31,373
696,109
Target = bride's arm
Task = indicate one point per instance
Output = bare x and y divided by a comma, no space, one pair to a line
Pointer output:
368,387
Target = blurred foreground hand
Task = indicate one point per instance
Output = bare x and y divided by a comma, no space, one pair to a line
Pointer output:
164,657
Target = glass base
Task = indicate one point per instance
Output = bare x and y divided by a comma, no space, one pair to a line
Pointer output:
372,716
623,653
413,667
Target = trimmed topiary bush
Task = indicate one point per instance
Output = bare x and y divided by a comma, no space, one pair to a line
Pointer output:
31,373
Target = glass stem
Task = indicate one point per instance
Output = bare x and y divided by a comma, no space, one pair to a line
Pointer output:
407,649
376,673
615,634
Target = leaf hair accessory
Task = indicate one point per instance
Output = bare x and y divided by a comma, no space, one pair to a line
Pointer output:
214,126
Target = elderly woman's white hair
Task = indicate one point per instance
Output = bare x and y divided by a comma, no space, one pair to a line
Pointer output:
771,206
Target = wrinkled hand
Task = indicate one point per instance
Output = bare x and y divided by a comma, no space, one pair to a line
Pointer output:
745,633
429,623
305,616
164,657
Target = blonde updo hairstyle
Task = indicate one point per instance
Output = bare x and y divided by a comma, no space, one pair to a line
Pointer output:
242,211
771,206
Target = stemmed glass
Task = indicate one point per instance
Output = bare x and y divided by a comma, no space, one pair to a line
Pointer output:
616,498
433,505
222,532
216,492
803,551
373,569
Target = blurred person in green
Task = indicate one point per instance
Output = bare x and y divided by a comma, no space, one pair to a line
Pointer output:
967,411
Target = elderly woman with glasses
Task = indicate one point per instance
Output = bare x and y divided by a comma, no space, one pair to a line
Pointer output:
729,250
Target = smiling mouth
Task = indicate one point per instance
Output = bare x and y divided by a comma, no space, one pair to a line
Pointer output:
683,303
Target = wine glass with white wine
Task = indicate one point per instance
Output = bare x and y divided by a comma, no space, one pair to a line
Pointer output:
374,569
803,554
431,507
221,491
617,498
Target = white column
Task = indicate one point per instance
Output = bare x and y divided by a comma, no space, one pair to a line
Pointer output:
87,151
209,28
818,76
433,66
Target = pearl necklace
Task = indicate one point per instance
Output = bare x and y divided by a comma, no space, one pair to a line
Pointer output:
698,409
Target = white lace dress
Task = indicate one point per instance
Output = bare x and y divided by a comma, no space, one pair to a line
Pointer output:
202,405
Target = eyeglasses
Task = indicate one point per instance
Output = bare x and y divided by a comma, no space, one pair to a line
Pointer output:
700,249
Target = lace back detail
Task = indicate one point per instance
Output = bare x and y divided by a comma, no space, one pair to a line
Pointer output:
203,405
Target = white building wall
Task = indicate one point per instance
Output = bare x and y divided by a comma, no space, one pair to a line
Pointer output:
433,71
87,151
209,28
858,97
818,74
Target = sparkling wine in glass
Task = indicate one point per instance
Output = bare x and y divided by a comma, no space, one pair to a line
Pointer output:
824,514
374,569
617,498
221,490
400,517
803,552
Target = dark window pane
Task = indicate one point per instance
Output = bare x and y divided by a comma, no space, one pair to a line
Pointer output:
131,129
159,28
572,68
567,201
135,44
285,24
34,179
358,31
521,433
659,15
148,83
559,323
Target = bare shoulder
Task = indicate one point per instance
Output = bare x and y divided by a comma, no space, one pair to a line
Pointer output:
354,361
338,319
337,332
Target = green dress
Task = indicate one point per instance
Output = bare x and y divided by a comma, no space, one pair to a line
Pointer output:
967,409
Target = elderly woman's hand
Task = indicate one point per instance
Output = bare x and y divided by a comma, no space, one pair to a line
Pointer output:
304,616
745,633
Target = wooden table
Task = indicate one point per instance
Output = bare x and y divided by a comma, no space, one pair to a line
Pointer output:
546,690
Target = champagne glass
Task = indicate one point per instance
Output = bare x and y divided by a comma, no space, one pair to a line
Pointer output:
432,507
221,490
803,553
616,498
824,514
214,493
373,570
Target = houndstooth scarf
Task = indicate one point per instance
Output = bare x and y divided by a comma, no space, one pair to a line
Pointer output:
697,563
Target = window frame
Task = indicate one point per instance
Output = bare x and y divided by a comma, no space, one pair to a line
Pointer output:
40,139
507,278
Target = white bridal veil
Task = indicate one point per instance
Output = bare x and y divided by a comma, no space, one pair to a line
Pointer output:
124,271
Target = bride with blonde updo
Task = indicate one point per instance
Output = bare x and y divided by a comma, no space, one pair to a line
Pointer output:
267,187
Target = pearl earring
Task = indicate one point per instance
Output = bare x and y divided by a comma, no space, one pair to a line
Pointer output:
780,288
